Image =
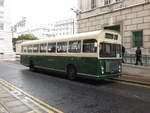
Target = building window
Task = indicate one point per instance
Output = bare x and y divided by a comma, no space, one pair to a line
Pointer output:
107,2
1,2
118,0
93,4
137,38
1,26
1,14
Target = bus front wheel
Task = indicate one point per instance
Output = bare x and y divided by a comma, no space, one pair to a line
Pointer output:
71,72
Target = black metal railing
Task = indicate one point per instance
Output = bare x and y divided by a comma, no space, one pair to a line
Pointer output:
131,59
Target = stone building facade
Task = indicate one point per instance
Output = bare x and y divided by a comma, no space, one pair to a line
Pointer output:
130,17
6,50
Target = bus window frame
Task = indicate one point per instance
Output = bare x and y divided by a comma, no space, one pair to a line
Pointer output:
45,47
62,51
28,49
38,46
95,48
79,44
55,43
111,45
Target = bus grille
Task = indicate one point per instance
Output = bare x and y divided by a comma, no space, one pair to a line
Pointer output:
112,66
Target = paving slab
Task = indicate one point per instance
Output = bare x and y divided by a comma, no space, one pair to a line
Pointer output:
14,100
3,109
135,79
135,70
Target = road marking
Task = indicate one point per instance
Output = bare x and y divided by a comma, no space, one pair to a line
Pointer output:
33,111
36,101
3,90
45,109
131,84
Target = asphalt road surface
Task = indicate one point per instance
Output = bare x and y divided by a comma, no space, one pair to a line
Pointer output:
80,96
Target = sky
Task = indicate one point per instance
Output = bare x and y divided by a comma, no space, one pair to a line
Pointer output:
41,11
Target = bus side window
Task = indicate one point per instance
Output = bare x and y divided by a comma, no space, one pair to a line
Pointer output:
61,47
51,47
74,46
43,48
29,48
24,49
89,46
35,48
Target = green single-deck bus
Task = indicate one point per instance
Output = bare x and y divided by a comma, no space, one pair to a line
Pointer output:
94,54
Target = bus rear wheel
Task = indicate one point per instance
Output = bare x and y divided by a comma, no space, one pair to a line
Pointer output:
31,66
71,73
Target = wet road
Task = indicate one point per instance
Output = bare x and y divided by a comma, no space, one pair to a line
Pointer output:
80,96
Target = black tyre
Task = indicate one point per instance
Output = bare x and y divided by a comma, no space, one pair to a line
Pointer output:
31,66
71,72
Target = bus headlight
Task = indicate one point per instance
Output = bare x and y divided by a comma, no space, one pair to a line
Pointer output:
119,68
102,70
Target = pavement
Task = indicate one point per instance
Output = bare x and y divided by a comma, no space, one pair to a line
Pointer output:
135,74
14,100
11,104
135,79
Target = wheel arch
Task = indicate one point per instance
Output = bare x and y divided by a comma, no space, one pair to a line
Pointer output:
71,65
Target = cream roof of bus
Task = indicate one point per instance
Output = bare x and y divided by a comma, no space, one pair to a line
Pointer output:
80,36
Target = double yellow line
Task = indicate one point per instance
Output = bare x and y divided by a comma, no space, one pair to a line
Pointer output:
33,111
131,84
39,103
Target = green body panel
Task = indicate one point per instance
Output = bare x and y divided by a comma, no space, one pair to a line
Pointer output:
87,66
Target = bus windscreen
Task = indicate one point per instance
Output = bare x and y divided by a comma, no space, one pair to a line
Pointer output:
110,50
